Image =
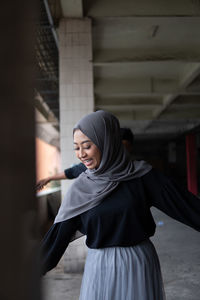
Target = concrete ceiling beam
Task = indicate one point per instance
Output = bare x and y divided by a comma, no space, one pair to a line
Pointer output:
127,108
147,95
152,72
72,8
187,107
128,100
123,22
144,87
191,72
139,112
43,108
116,57
104,8
46,129
187,77
133,115
174,108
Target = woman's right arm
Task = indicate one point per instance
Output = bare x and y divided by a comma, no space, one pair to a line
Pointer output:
56,241
41,183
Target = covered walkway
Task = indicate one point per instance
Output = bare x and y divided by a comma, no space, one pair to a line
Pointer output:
137,59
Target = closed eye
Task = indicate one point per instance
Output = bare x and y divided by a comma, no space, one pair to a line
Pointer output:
86,147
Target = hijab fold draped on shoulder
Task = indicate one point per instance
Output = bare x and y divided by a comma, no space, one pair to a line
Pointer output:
92,186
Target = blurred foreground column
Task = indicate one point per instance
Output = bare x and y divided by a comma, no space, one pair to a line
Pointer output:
76,100
191,153
19,276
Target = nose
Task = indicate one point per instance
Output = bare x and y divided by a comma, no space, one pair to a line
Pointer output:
82,153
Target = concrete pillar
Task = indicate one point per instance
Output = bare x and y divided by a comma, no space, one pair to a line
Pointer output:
19,276
76,100
191,153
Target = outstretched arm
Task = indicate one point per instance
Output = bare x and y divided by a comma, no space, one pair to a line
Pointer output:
56,241
173,199
41,183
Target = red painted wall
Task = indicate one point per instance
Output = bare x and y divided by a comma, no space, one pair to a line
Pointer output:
191,152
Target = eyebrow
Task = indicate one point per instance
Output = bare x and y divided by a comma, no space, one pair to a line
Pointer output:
83,142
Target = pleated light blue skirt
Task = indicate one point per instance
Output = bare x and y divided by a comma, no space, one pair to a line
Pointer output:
122,273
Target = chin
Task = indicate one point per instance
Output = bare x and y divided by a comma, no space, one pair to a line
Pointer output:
91,167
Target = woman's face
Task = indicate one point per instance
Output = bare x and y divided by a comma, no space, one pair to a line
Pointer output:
86,150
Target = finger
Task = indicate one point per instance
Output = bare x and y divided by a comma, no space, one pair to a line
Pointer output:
38,184
39,187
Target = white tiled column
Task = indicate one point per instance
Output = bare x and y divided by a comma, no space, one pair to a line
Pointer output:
76,100
76,82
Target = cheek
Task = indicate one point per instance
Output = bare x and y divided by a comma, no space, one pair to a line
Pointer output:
76,153
98,156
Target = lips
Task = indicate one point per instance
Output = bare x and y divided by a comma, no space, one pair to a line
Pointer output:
87,162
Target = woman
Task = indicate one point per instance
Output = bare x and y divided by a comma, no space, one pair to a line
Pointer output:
110,204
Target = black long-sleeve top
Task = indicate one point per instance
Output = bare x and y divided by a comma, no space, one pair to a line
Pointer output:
124,217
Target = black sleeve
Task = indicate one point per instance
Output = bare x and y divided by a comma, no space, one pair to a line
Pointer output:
56,241
75,171
176,201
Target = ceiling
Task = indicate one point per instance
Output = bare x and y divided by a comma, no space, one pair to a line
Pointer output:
146,61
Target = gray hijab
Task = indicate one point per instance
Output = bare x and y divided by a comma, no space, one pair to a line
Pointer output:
93,186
